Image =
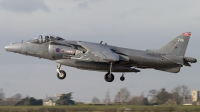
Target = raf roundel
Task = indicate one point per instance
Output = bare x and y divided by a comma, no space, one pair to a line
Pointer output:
57,50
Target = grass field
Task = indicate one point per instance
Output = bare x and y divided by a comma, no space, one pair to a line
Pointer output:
93,108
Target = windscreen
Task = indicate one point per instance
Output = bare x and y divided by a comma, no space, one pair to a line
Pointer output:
44,38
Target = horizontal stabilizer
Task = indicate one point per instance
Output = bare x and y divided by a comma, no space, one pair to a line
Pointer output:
174,58
187,64
180,60
171,70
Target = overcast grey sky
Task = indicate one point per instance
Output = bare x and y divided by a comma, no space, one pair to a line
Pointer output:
137,24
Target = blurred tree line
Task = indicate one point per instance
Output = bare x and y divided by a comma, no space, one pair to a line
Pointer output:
175,97
154,97
2,95
65,99
29,101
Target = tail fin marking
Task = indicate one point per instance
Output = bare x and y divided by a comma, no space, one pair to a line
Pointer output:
177,46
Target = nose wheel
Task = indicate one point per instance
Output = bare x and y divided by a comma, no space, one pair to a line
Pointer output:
60,73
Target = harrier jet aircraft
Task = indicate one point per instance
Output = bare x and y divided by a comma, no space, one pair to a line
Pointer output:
106,58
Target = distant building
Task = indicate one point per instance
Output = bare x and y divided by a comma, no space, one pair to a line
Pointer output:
187,101
51,101
195,95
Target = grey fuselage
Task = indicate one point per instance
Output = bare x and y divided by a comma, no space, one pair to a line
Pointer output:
70,53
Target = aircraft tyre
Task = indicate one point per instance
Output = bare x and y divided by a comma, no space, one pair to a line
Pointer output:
109,77
61,75
122,78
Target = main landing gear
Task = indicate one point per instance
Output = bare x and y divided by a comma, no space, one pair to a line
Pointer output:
109,77
122,78
60,73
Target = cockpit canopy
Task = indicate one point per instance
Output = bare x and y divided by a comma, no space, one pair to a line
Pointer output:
45,38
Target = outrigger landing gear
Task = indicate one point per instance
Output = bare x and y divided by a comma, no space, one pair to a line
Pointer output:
60,73
122,78
109,77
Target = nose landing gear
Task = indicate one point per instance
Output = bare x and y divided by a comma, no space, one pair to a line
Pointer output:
109,77
60,73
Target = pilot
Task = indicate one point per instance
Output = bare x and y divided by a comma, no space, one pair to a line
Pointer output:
40,39
46,39
51,38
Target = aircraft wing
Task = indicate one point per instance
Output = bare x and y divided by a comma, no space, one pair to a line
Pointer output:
101,51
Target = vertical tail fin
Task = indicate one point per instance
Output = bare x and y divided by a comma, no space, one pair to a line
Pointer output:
177,46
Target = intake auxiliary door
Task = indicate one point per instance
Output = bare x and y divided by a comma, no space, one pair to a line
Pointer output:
52,49
60,52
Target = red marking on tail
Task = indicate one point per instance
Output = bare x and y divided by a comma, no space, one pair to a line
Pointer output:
186,34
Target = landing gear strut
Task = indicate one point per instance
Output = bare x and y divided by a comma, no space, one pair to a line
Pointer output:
60,73
122,78
109,77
